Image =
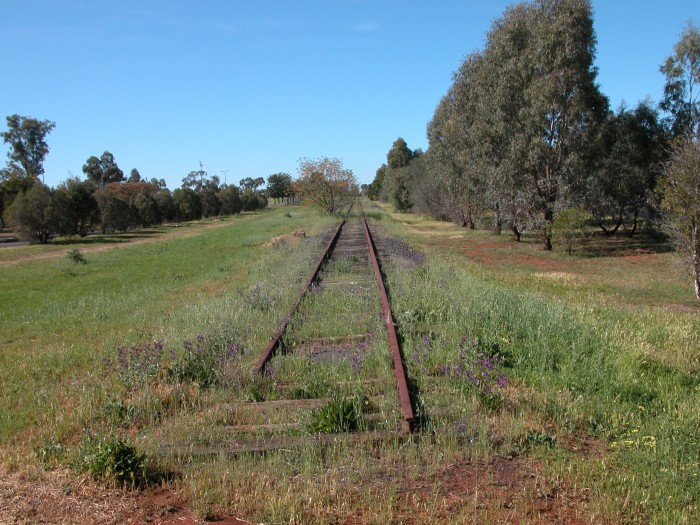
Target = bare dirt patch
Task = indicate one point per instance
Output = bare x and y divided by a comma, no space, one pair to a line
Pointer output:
59,497
496,491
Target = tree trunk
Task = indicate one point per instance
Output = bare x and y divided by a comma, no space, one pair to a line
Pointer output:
634,223
516,233
497,220
547,234
696,258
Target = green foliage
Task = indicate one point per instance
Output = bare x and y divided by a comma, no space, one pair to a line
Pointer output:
682,71
76,256
680,187
569,227
33,213
51,452
112,459
339,415
104,170
26,137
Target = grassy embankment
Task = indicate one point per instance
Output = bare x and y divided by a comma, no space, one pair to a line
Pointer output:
601,353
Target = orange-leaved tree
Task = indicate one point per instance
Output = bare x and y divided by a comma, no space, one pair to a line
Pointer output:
325,184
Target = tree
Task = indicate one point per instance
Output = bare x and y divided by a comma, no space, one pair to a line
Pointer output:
375,187
76,207
278,185
682,89
230,199
680,187
325,184
187,204
134,176
103,171
249,183
634,143
394,184
33,214
114,210
27,139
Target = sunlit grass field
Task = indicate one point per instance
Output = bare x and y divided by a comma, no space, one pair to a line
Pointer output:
599,352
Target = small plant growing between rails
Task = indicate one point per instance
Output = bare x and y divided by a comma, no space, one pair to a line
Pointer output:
112,459
339,415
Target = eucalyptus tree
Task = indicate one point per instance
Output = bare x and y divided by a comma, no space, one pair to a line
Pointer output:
26,137
622,189
682,89
395,184
104,170
561,99
278,185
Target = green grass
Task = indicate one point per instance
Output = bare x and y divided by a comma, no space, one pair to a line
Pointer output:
601,349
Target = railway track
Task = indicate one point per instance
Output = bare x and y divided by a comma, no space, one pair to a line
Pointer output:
334,355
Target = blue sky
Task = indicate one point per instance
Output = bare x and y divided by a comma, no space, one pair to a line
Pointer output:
252,86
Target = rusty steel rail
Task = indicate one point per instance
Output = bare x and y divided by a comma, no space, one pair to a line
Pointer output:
274,342
399,370
407,414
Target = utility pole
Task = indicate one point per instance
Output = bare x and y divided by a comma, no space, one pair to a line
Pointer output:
225,172
201,176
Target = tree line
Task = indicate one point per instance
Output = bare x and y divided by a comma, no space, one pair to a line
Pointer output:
106,199
525,140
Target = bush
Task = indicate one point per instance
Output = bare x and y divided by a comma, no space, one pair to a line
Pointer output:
112,459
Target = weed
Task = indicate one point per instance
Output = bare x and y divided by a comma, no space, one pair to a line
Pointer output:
112,459
76,256
339,415
50,452
119,413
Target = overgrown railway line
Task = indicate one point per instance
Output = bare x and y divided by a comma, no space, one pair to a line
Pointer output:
334,360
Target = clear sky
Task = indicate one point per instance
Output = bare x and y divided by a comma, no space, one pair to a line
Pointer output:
251,86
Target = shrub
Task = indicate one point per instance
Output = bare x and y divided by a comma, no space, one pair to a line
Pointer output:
112,459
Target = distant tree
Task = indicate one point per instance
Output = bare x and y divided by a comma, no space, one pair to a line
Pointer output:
134,176
164,200
634,144
249,200
103,171
159,183
147,210
682,89
364,188
230,199
375,187
26,137
680,187
194,180
187,204
325,184
278,185
394,184
33,214
114,210
211,205
249,183
76,207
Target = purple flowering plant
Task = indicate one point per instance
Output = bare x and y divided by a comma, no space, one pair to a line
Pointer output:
478,368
